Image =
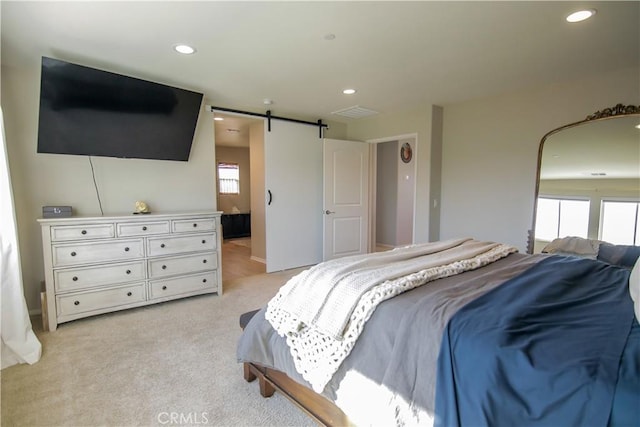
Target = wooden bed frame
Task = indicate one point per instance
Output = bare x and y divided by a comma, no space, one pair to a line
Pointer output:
319,408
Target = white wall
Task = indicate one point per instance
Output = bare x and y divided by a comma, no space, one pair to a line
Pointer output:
52,179
240,156
490,151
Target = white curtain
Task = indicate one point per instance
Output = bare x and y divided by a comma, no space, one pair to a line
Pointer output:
19,343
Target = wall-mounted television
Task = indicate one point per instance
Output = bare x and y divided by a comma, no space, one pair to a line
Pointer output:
86,111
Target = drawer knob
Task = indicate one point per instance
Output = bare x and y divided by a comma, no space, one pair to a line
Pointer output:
204,261
162,245
204,280
128,271
126,249
74,278
76,303
84,231
164,288
129,294
144,228
164,267
73,253
204,241
195,225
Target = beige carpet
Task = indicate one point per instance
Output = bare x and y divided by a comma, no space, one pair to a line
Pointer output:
167,364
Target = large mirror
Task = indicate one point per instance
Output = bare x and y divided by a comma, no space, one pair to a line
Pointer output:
588,181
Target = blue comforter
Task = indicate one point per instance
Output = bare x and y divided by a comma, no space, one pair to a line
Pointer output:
543,349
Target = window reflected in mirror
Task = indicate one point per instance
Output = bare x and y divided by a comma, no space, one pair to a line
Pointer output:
561,217
620,222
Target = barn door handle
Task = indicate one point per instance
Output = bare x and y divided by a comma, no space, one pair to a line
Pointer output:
270,197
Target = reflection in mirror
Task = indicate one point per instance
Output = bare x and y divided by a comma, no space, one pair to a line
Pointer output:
589,180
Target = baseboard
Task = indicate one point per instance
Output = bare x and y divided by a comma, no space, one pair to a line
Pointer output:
383,247
255,258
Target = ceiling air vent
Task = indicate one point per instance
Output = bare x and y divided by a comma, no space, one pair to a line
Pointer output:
355,112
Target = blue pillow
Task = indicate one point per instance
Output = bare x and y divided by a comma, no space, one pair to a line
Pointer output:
621,255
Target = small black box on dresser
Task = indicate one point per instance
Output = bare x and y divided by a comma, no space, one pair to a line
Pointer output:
56,211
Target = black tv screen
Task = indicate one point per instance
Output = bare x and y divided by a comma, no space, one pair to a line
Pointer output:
91,112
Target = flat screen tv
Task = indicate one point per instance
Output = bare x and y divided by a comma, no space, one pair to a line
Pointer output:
91,112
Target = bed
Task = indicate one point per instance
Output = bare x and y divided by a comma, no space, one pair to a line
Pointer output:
521,340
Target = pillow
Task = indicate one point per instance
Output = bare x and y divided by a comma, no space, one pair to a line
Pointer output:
620,255
634,288
576,246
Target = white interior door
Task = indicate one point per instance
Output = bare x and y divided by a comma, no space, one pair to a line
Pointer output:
293,183
346,198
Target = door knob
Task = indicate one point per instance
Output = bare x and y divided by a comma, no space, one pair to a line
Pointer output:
328,212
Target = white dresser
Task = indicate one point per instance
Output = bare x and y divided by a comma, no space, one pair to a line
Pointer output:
97,265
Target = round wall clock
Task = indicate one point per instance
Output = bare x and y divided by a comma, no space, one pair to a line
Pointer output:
406,152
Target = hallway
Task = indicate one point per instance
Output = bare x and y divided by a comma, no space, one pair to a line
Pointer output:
237,262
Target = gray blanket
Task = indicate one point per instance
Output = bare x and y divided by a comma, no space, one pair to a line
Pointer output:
396,354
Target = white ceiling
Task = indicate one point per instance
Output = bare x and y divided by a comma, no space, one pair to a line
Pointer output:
233,130
398,55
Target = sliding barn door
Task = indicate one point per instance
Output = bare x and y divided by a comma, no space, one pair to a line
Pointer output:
293,183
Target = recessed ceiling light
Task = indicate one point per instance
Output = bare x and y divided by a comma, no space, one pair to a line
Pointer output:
349,91
581,15
637,126
185,49
218,119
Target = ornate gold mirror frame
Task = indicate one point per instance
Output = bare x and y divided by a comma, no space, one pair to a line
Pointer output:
617,111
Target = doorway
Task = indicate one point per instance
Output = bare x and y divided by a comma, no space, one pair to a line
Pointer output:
394,182
236,187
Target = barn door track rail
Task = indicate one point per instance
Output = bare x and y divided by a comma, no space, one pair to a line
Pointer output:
269,117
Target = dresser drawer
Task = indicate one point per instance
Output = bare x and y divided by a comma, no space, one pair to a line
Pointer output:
85,253
191,225
168,245
81,232
163,267
73,279
181,285
128,229
82,302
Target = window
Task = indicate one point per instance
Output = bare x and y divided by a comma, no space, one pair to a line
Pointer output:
229,178
561,217
620,222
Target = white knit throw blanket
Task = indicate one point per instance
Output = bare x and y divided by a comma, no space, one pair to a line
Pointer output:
322,310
